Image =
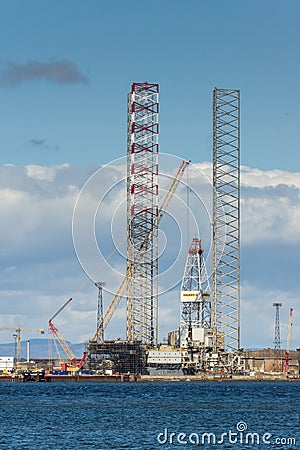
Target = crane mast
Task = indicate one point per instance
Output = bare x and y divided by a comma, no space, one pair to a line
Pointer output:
288,344
18,331
123,286
172,188
63,343
60,338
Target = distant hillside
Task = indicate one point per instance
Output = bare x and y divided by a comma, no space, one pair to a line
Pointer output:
38,349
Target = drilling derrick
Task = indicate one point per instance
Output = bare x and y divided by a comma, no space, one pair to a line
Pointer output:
195,304
226,220
142,214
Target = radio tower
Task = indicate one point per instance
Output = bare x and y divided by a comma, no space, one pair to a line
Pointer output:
277,342
142,214
226,220
100,330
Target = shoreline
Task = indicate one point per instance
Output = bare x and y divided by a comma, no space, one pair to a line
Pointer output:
150,378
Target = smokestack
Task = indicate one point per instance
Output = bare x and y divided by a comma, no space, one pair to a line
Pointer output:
28,351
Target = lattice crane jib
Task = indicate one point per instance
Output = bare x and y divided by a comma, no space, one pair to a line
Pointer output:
226,219
142,213
195,302
121,292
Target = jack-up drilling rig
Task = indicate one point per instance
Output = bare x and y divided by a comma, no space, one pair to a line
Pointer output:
121,292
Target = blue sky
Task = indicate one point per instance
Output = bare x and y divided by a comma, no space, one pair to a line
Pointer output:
65,70
187,47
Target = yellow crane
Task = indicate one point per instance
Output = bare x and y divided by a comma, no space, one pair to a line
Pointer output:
18,331
122,288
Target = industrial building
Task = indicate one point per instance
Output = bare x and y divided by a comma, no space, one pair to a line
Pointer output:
269,361
116,356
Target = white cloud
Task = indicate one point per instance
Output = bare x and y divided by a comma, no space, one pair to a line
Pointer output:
270,204
270,214
258,316
263,178
255,178
39,269
44,173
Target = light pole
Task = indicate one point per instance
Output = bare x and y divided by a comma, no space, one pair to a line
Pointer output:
15,358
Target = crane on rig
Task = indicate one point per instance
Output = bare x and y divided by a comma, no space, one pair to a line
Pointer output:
18,331
63,343
288,344
122,288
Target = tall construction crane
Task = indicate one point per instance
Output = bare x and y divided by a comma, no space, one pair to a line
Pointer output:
58,335
122,288
172,188
18,331
288,344
66,347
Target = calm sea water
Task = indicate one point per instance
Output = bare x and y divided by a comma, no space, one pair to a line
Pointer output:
147,416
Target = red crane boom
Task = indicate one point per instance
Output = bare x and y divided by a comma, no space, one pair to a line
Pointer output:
120,292
288,344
